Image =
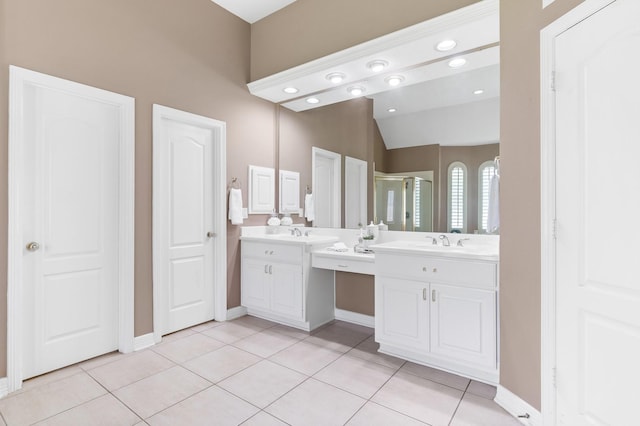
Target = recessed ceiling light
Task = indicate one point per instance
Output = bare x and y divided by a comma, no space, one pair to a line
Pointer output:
478,92
377,65
313,100
394,80
457,62
290,90
336,77
392,109
445,45
356,90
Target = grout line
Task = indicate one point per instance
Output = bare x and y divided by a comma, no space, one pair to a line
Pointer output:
459,402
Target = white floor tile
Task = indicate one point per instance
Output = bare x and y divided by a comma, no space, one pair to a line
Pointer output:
478,411
355,375
222,363
306,357
316,403
435,375
376,415
266,343
104,410
188,347
130,369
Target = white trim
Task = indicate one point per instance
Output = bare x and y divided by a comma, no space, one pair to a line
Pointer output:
143,342
4,387
237,312
336,213
355,318
517,407
19,78
546,3
548,196
219,129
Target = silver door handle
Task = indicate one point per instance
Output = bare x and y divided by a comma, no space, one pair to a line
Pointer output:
266,269
270,269
33,246
433,295
211,234
424,294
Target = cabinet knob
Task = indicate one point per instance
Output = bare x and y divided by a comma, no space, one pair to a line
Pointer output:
271,253
424,269
435,269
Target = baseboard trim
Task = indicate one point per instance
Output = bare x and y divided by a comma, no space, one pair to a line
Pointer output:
143,342
4,387
237,312
355,318
516,406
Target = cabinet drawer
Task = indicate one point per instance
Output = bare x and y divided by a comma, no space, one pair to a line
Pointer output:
273,252
355,266
430,269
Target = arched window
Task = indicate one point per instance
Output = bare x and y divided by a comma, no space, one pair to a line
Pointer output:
485,173
457,217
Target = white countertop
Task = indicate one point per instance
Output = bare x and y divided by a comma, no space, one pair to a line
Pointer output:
469,251
349,255
291,239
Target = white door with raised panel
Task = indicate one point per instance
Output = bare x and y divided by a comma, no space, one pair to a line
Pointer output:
463,324
597,203
184,229
255,283
402,313
69,137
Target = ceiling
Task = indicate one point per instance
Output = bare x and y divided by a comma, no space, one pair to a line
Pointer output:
253,10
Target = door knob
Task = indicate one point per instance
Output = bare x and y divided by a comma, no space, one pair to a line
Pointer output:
211,234
33,246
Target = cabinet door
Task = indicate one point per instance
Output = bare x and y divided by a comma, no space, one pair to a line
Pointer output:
402,313
286,289
255,283
463,324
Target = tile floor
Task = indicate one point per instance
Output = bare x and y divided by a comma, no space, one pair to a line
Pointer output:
254,372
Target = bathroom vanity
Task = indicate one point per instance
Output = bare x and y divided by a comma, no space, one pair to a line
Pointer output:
437,306
278,283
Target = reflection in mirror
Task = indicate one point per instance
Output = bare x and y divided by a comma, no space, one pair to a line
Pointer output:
355,192
327,184
404,201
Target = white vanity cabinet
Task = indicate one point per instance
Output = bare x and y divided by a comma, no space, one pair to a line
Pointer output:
278,284
438,311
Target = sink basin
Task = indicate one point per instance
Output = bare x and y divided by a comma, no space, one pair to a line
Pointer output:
468,250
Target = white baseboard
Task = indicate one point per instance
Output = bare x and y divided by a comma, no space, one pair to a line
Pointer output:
237,312
516,406
355,318
143,342
4,387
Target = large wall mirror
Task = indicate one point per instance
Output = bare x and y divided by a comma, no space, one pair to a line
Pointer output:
441,113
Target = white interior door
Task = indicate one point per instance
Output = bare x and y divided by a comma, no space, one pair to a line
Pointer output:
355,192
327,183
70,205
598,202
185,232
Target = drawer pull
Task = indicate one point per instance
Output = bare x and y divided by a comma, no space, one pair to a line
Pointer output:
271,253
433,295
435,269
424,294
424,269
270,269
343,266
266,269
266,252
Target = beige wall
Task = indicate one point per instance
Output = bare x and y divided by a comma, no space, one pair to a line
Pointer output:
310,29
191,55
355,293
520,24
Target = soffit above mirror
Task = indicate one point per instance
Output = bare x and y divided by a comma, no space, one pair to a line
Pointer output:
251,10
410,53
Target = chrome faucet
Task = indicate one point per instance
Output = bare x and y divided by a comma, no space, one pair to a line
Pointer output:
445,240
433,240
296,232
459,244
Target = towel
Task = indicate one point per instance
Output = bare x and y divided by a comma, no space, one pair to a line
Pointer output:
235,206
493,217
309,208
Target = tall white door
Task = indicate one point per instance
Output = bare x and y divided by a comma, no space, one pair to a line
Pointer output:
598,204
69,204
184,230
327,184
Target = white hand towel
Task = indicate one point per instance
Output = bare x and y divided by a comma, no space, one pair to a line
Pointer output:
235,206
493,217
309,208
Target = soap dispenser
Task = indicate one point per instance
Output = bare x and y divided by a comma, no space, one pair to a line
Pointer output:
372,229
